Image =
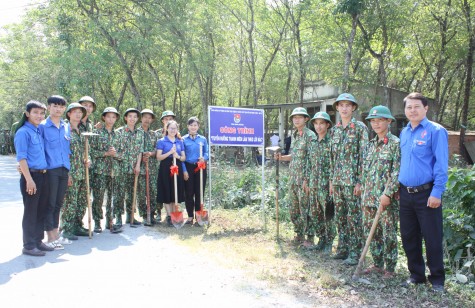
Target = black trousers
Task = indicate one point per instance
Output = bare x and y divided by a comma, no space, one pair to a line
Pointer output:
417,222
192,189
58,184
34,210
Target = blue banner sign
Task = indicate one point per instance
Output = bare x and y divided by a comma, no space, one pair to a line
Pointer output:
236,126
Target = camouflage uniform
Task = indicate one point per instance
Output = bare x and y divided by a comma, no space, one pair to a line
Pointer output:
347,144
380,177
298,172
151,138
321,210
132,144
105,173
75,203
86,127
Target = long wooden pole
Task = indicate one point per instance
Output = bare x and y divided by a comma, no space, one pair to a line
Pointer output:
88,194
147,180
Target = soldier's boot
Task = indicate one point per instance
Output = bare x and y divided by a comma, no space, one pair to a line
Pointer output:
340,255
327,247
145,223
118,221
135,222
97,226
158,217
321,244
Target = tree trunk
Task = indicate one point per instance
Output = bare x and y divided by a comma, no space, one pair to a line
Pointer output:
345,85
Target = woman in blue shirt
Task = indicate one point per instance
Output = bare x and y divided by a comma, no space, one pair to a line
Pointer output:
168,147
193,141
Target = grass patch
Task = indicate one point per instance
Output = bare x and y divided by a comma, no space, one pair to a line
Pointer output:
237,239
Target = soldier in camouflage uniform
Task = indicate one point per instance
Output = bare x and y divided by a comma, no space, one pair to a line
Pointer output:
348,138
379,186
75,203
90,105
132,144
104,152
150,141
321,208
298,169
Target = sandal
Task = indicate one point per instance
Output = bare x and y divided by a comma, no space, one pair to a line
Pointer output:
64,241
189,222
56,245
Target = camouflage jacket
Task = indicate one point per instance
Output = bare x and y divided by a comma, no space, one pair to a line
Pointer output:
86,127
131,145
106,165
77,143
150,142
300,151
320,163
382,160
347,145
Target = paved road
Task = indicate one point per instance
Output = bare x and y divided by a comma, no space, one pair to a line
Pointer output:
137,267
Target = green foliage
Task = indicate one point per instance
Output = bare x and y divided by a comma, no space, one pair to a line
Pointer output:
459,222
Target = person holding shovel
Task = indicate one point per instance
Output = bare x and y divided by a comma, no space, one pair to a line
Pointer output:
105,151
85,126
348,138
321,210
169,147
195,144
76,196
381,162
299,172
131,141
149,157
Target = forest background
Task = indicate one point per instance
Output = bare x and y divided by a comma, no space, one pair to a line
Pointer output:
185,55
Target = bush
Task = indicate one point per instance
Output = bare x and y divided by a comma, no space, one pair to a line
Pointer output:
459,222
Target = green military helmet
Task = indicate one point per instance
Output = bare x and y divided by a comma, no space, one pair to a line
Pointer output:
112,110
73,106
88,99
167,113
299,111
345,97
380,112
131,110
322,115
149,112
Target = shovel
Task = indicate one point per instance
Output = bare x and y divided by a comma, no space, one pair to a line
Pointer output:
356,275
132,211
176,214
201,215
147,180
111,214
276,149
88,193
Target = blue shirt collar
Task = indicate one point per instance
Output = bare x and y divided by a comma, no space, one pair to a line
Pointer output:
423,123
50,123
31,126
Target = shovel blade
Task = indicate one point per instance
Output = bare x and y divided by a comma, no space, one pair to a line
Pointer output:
177,219
202,217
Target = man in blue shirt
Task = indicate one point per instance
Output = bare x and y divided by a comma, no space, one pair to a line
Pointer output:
29,146
56,135
422,178
193,141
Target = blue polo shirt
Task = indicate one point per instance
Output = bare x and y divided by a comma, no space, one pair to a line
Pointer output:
57,143
29,145
166,145
424,156
192,148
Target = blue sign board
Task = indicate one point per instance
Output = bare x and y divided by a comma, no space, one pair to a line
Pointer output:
236,126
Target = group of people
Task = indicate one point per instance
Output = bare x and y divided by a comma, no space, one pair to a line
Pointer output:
339,179
60,159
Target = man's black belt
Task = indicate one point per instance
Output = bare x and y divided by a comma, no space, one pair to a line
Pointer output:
38,170
417,189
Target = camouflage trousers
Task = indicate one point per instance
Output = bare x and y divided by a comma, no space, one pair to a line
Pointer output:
125,193
100,185
320,216
142,194
298,208
74,207
349,221
383,247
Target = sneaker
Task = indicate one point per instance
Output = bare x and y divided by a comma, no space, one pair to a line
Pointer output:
64,241
55,245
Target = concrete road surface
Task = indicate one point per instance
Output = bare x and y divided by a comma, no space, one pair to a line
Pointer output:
139,267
